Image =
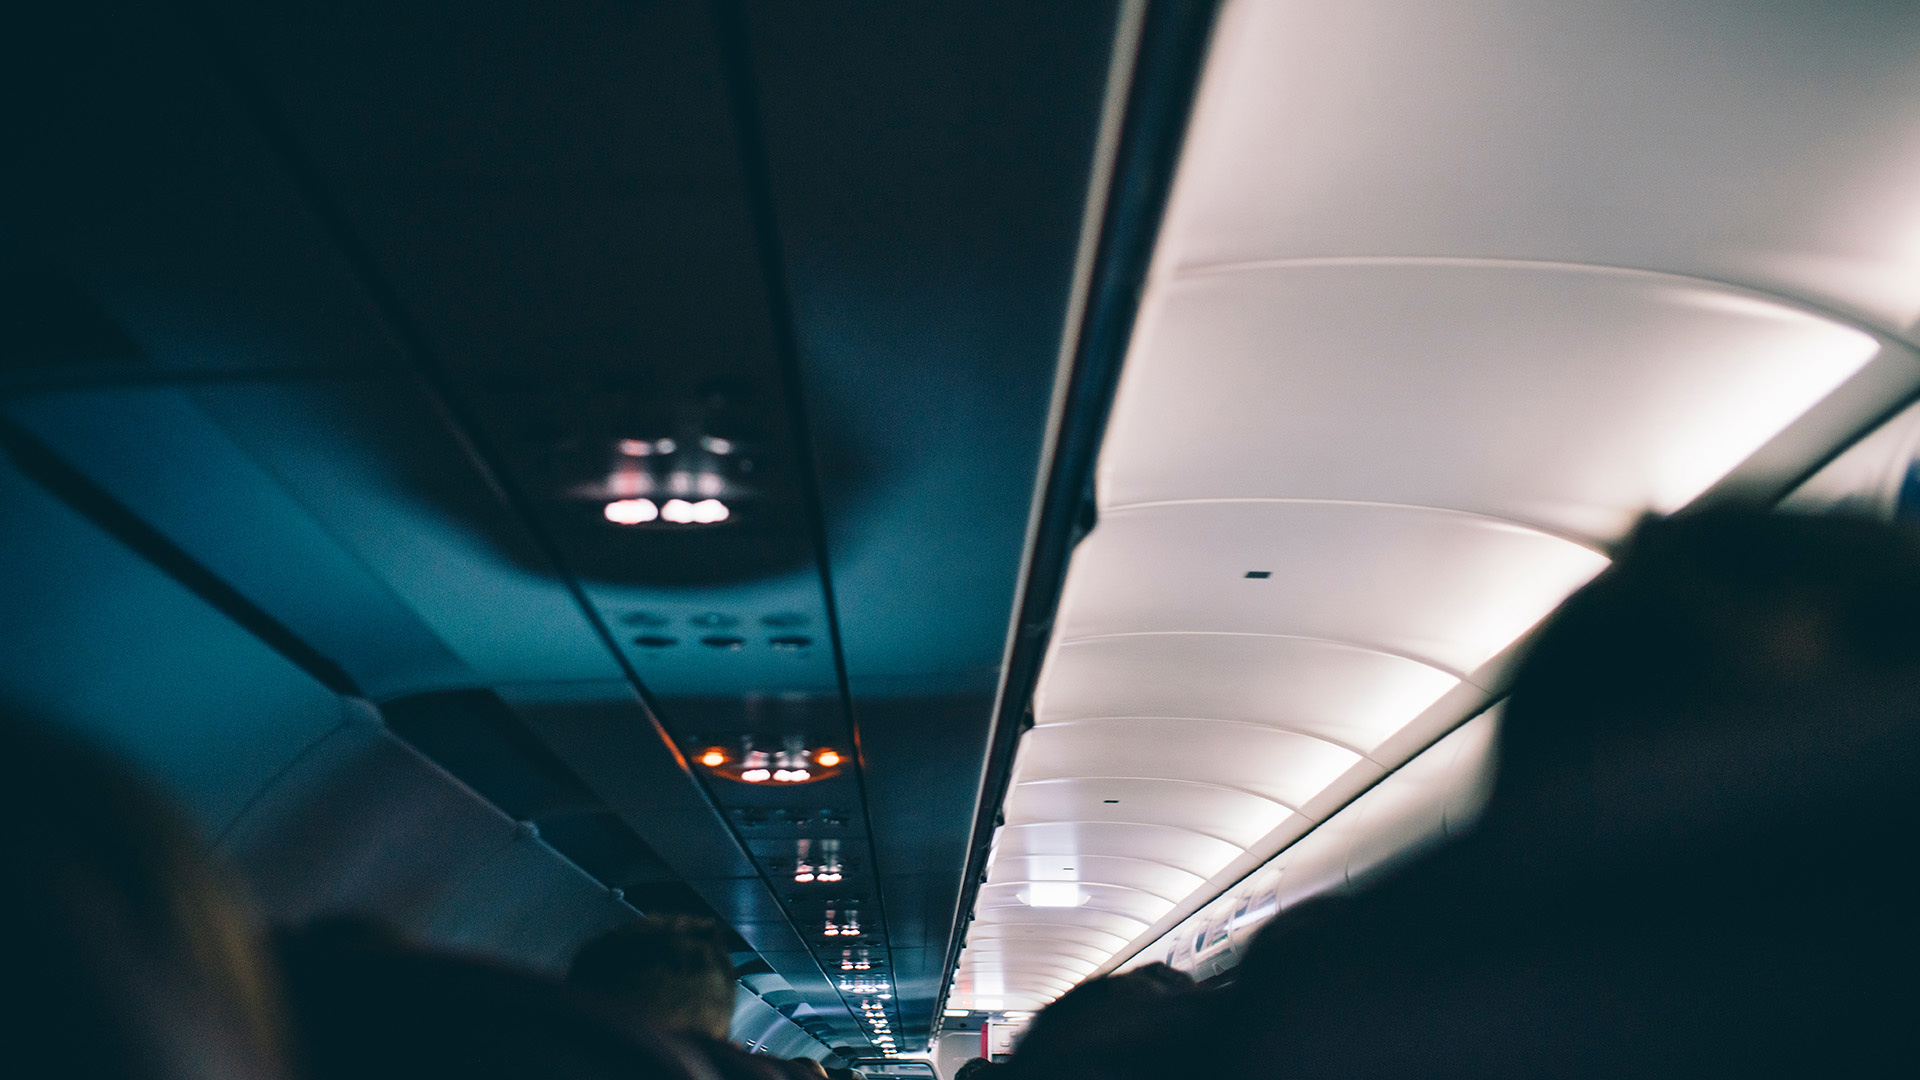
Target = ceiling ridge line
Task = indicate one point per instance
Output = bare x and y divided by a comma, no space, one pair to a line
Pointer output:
1217,720
1128,824
1346,642
1102,884
1804,305
1166,780
1478,515
1097,855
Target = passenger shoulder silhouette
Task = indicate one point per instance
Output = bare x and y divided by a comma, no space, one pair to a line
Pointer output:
130,954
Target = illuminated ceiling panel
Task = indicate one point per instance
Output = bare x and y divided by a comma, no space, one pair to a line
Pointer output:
1447,294
1568,397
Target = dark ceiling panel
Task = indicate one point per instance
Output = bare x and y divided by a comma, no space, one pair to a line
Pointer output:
132,167
566,271
930,165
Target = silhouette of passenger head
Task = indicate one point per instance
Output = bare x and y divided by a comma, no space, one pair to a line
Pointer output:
368,1006
1732,671
976,1069
671,970
805,1067
1707,756
127,953
1100,1027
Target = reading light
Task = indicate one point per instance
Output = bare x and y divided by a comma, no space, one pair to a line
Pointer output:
794,765
704,512
631,511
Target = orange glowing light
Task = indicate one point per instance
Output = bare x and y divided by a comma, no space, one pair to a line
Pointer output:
829,758
714,758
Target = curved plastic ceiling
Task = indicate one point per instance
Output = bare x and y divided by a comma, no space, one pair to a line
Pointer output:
1446,296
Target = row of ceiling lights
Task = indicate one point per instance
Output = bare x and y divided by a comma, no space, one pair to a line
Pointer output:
694,492
797,766
842,925
809,868
673,511
879,1028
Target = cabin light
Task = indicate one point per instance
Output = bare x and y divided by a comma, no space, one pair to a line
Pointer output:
956,1012
631,511
717,445
682,512
714,758
707,483
636,447
629,483
828,758
1054,894
754,776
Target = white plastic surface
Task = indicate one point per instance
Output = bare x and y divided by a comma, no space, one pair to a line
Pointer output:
1447,294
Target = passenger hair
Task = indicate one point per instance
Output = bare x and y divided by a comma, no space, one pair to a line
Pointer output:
1098,1020
673,969
131,954
1712,665
976,1069
368,1006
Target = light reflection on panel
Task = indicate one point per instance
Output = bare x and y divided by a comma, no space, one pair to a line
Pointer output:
1352,696
1283,766
1165,845
1570,397
1444,588
1238,817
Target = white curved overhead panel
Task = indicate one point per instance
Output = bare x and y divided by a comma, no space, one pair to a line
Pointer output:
1240,818
1775,145
1180,849
1169,883
1567,397
1445,588
1281,766
1448,293
1346,694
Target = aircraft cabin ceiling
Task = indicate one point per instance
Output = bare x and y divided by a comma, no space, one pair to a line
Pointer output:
1446,294
639,404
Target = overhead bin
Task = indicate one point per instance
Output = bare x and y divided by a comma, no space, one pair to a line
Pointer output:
1445,298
